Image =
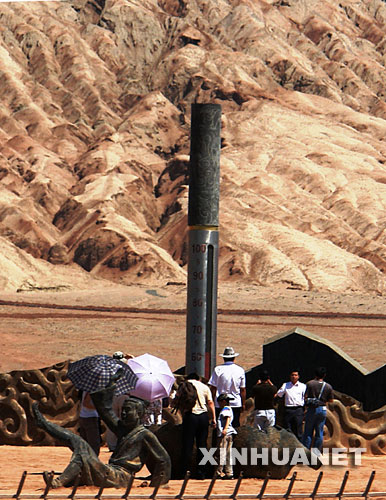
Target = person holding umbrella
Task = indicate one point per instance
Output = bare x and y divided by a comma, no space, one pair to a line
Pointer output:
155,378
92,373
89,423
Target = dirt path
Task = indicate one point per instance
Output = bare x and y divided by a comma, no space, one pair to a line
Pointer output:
35,335
40,329
14,460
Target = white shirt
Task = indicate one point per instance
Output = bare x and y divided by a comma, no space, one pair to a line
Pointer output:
293,393
111,437
228,378
221,419
153,413
87,412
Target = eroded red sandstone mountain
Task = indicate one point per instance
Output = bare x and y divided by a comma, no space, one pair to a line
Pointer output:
94,127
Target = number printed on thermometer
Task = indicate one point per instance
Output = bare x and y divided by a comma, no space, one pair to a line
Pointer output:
199,248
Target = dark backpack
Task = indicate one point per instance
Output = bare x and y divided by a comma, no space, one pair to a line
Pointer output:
185,397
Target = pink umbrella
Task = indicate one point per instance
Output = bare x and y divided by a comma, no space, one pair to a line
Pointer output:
155,378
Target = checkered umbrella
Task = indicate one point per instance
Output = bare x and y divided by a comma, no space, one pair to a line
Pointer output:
95,372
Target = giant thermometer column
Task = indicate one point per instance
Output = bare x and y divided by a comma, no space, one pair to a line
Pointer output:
203,221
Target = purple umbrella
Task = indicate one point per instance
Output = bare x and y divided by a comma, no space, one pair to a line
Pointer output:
155,378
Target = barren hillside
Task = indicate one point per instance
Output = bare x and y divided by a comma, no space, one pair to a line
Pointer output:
94,125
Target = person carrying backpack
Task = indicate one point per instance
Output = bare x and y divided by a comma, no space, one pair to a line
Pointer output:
318,394
195,421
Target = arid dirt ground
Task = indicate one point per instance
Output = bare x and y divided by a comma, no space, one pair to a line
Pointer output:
42,328
38,329
14,460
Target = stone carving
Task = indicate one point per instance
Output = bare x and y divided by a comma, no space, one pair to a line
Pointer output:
275,437
57,397
134,446
347,425
248,437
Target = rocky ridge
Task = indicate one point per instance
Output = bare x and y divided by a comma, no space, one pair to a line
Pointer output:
94,123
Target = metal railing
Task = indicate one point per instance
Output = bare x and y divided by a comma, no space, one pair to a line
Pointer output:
262,494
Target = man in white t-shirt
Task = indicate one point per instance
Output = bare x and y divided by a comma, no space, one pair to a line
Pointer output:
293,392
229,378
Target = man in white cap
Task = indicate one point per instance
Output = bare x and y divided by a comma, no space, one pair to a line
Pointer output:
229,378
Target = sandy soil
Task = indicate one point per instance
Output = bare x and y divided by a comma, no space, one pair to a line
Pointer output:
39,329
14,460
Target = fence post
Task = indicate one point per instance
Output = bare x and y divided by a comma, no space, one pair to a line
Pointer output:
290,486
264,486
75,487
129,485
183,486
21,484
368,486
237,486
343,485
48,485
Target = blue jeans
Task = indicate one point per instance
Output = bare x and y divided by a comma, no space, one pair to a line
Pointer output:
314,422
